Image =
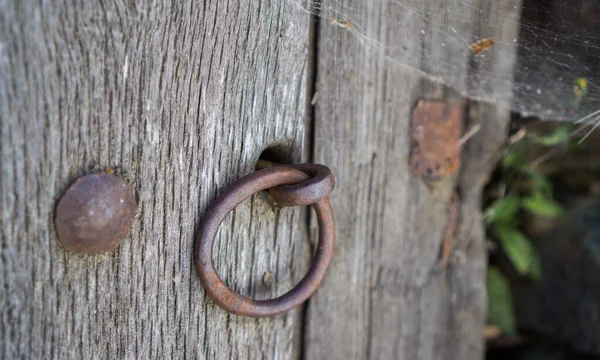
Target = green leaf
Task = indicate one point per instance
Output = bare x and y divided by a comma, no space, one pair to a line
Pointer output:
541,205
503,210
519,249
541,182
535,266
500,307
558,136
516,157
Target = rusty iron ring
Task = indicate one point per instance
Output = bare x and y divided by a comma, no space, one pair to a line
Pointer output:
223,205
307,192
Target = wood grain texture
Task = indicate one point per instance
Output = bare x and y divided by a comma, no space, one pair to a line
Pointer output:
179,98
383,297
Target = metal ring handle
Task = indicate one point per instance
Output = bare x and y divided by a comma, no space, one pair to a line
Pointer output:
223,205
319,186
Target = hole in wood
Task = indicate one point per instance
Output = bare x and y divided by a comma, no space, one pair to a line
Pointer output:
278,154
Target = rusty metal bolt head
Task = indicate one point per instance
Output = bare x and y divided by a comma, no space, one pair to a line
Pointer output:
95,214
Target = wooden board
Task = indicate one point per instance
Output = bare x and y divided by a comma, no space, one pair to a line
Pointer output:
179,98
383,297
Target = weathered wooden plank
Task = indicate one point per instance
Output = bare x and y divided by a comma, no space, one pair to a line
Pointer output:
383,297
179,98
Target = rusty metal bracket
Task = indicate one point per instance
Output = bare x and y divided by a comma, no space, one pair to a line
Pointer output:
436,129
289,185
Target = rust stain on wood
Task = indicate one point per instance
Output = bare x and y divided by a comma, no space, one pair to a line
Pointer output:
436,128
448,239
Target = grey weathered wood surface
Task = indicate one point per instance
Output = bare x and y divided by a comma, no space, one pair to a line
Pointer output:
179,98
382,298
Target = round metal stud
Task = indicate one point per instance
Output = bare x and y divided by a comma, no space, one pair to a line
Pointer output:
95,214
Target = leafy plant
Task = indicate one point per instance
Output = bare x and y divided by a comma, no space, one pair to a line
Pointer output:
522,190
520,251
500,308
559,136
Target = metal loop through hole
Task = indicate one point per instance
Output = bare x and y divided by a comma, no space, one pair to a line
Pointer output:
225,203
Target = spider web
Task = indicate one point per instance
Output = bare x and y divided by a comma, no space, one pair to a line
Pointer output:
554,53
